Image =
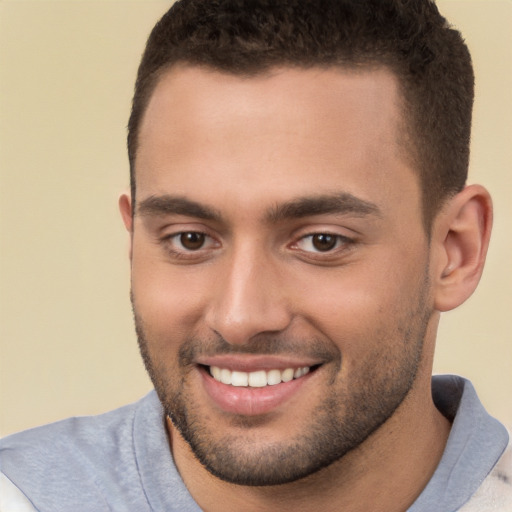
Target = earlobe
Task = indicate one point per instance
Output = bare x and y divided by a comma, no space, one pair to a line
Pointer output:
461,234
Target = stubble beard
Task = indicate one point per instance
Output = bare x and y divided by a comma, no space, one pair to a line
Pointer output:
339,424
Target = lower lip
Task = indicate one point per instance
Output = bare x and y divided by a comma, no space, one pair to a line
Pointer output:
250,401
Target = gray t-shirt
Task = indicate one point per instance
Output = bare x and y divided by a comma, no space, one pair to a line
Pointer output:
121,460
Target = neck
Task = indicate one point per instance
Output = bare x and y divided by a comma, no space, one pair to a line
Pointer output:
385,473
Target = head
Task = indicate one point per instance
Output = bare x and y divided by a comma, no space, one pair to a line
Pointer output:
298,220
411,39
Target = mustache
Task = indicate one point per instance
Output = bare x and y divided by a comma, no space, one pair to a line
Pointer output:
193,348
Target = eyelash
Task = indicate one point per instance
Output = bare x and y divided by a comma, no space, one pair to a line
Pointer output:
171,240
341,244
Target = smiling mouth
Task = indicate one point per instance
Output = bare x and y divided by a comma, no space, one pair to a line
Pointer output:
259,378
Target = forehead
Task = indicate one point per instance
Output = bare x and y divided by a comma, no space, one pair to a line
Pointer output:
287,131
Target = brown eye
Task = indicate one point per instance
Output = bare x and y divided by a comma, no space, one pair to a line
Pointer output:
192,240
324,242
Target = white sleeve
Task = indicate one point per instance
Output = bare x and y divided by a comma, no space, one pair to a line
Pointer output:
495,493
12,499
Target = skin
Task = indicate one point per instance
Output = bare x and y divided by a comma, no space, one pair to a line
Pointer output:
234,158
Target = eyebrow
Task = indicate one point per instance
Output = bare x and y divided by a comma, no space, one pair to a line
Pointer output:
308,206
342,204
153,206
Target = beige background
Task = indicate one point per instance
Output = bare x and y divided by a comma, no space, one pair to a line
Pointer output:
66,339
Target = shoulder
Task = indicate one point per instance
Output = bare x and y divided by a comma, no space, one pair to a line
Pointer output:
495,493
87,456
89,434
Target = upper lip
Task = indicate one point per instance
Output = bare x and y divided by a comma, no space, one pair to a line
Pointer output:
250,363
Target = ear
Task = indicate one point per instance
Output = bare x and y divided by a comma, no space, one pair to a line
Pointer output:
125,207
460,236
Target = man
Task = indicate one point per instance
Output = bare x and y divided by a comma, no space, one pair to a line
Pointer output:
299,219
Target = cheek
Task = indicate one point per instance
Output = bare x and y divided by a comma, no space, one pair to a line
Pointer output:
169,301
361,305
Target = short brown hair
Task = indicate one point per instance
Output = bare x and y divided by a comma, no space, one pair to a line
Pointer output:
410,37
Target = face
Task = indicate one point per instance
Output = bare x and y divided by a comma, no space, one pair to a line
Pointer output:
279,265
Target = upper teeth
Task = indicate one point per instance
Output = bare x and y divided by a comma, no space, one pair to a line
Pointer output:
257,379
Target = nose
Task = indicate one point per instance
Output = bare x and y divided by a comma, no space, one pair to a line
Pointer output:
248,299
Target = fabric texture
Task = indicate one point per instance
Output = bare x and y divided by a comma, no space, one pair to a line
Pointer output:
120,461
11,498
495,493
